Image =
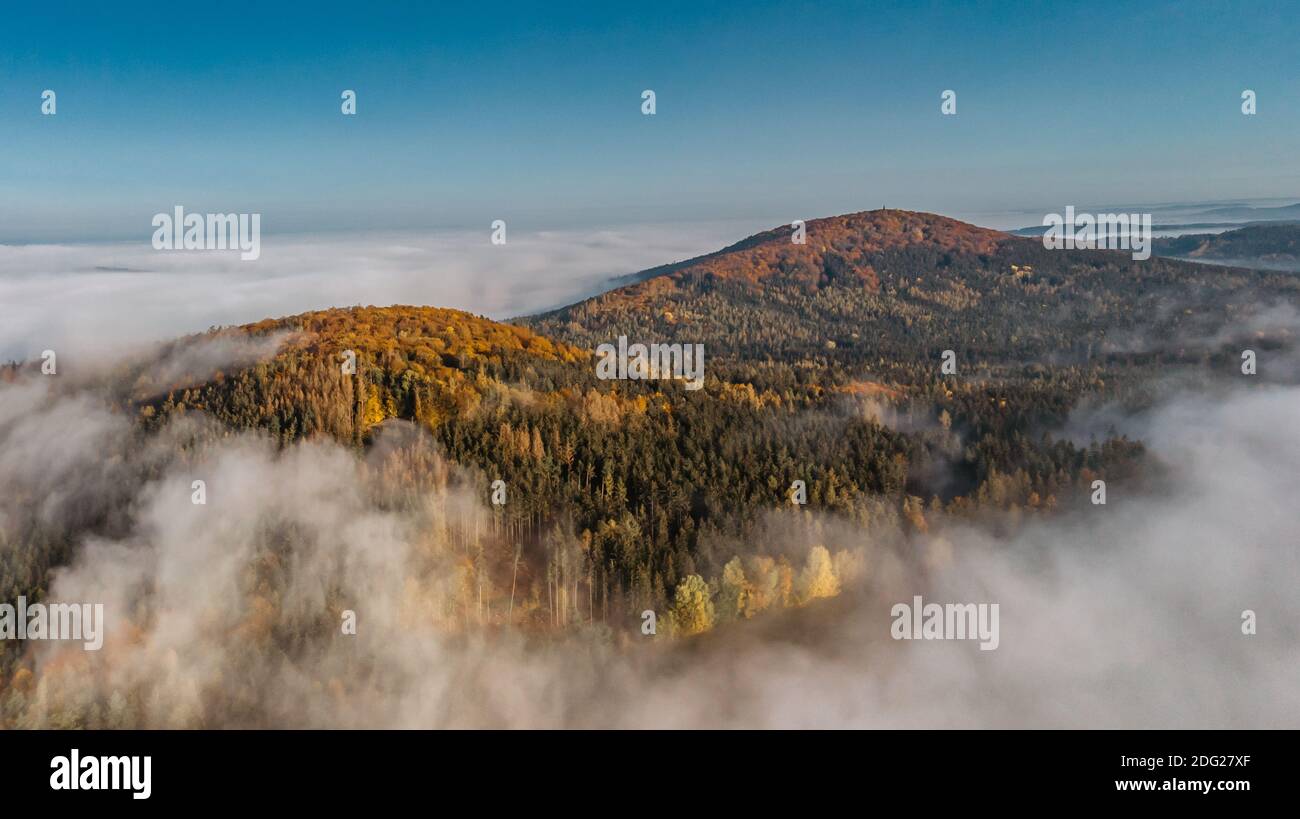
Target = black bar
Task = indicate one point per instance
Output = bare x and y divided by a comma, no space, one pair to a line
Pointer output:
546,769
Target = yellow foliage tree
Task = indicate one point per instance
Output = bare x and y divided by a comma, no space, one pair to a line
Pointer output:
692,611
818,576
734,594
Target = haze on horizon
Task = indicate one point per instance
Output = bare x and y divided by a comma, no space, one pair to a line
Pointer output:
98,299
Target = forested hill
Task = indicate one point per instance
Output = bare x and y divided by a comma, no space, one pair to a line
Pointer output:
1264,246
294,376
835,248
890,290
619,491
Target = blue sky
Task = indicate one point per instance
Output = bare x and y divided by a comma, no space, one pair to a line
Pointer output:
531,112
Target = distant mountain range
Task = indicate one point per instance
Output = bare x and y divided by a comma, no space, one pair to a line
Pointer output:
1268,246
1202,218
1238,213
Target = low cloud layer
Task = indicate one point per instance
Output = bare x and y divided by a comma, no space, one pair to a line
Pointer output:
97,299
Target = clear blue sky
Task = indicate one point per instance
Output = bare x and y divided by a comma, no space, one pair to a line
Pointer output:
531,112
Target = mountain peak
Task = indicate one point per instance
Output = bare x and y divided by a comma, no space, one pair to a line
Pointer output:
886,228
836,249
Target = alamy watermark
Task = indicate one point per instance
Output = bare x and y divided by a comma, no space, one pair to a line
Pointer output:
950,621
653,361
53,621
1105,231
75,772
211,231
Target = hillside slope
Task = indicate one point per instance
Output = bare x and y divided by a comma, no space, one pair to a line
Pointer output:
1263,247
889,291
288,375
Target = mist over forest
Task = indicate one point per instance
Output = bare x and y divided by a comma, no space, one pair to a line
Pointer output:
370,497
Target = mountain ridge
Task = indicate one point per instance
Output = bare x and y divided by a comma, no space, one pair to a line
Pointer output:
861,232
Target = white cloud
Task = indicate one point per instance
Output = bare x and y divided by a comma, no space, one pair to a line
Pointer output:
95,299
